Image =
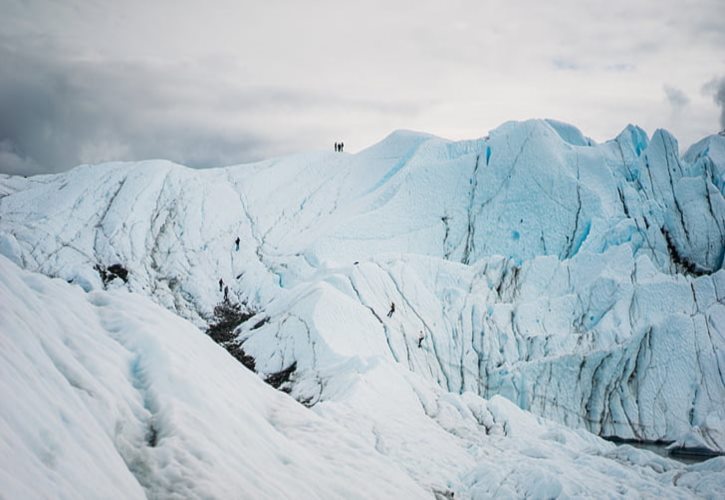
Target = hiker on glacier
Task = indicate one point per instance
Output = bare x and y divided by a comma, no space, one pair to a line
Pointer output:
421,336
237,242
221,284
392,310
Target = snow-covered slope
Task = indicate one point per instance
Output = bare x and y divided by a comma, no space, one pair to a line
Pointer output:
582,281
107,395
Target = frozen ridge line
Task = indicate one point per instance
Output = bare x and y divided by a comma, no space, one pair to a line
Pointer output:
582,281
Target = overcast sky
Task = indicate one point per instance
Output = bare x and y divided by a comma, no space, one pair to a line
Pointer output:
217,83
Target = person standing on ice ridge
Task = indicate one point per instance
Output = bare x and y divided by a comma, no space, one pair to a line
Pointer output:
221,284
226,293
421,336
237,242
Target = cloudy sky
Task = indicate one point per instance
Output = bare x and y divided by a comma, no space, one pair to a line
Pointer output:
223,82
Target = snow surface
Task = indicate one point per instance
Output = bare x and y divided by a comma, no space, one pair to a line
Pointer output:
107,395
584,282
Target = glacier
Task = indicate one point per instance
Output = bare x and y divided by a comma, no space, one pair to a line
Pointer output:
582,282
108,395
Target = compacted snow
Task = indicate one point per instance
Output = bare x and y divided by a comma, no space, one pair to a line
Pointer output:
397,287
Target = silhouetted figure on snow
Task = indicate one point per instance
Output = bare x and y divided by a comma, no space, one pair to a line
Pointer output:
421,336
392,310
337,147
342,146
221,284
226,293
237,242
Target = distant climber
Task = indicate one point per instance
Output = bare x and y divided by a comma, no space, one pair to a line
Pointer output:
221,284
337,147
342,146
392,310
226,293
421,336
237,242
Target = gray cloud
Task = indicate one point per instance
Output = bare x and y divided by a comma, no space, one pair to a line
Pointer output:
566,64
58,111
11,162
716,88
676,97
